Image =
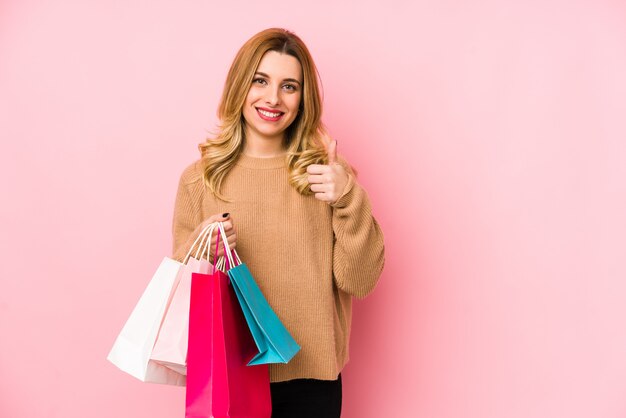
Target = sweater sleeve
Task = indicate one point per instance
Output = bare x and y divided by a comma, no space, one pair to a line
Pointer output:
359,250
187,215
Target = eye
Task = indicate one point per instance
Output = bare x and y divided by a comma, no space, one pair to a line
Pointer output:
259,81
290,87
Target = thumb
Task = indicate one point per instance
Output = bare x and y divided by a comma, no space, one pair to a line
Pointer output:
332,152
221,217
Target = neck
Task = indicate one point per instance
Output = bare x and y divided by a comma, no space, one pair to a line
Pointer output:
263,147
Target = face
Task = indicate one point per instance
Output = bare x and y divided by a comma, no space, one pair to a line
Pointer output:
274,97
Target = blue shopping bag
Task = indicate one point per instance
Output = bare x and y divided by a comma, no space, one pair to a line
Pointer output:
275,343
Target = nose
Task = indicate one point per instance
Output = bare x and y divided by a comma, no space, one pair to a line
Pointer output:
272,97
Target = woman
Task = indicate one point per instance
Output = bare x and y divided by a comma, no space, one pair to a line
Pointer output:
306,231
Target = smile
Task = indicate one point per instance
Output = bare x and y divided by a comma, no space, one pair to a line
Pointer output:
267,115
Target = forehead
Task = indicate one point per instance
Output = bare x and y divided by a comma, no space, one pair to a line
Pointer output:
280,66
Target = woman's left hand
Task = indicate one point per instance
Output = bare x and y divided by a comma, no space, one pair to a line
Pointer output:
328,181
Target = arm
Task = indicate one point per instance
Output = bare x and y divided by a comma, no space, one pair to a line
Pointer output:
359,250
187,220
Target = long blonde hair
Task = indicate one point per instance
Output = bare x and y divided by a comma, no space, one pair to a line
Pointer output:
304,135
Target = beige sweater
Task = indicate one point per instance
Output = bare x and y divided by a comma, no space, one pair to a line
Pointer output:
308,257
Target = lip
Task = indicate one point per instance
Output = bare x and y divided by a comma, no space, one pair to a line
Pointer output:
262,116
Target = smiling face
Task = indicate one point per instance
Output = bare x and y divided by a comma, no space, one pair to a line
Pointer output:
274,97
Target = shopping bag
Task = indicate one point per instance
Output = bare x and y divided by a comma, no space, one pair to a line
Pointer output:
133,346
170,348
219,382
274,342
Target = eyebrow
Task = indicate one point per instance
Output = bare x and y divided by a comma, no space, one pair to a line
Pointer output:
287,79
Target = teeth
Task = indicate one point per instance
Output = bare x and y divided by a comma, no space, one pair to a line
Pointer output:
269,114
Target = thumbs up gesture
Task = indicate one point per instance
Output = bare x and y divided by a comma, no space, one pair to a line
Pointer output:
328,181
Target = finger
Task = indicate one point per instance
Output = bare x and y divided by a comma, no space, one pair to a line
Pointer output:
332,152
228,225
232,243
221,217
318,169
318,178
231,237
230,233
321,196
319,188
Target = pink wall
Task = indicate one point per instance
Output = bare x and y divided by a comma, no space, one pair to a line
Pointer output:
490,135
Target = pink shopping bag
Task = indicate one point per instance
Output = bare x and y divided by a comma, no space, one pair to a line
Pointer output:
219,382
170,349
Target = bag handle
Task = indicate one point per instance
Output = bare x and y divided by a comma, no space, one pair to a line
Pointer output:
219,263
229,253
204,248
207,230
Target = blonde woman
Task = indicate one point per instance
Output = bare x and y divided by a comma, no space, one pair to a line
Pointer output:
303,224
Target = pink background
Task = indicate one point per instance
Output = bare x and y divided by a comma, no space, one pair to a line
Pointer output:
489,134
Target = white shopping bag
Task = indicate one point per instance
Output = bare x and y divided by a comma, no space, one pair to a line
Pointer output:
133,347
171,344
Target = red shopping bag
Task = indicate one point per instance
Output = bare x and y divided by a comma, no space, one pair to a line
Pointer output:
219,382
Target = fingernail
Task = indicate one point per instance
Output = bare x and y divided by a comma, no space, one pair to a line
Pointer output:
224,215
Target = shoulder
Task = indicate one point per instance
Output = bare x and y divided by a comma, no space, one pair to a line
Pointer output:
192,174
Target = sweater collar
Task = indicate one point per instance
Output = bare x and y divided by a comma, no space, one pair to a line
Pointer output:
261,163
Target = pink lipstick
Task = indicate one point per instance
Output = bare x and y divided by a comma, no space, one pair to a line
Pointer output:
269,114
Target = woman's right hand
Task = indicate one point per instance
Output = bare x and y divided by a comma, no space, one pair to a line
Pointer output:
229,228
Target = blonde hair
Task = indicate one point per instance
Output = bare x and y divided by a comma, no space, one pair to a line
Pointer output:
303,136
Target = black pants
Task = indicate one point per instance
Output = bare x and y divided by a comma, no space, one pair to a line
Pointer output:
306,398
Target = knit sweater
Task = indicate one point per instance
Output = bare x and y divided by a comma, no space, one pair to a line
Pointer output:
309,258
